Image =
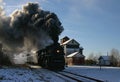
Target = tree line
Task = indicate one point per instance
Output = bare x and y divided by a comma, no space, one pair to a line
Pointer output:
114,56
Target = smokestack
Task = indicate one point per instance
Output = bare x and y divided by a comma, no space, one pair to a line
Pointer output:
29,28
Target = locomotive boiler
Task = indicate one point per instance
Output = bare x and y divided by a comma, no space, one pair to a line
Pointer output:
52,57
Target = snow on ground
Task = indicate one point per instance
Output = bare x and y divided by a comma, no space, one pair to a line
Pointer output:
107,74
27,75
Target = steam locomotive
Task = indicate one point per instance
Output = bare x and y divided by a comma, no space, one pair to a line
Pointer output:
52,57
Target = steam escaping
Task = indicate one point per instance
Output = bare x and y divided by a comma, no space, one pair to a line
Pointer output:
29,28
1,8
24,57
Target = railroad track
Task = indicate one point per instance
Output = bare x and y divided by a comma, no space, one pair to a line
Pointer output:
78,78
73,76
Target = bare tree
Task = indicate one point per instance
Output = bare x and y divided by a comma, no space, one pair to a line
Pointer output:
91,56
114,57
97,56
91,60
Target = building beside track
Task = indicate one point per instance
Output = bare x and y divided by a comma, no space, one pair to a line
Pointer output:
73,51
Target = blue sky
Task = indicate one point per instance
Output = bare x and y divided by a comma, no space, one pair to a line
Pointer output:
93,23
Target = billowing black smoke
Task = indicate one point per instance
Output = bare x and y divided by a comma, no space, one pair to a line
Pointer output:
28,28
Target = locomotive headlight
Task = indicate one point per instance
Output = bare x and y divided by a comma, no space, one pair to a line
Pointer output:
58,51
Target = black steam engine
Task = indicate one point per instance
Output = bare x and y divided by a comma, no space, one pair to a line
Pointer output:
52,57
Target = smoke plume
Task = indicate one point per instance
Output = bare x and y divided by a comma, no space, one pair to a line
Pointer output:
29,28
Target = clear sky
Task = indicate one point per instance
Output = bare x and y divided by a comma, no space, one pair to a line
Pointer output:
95,24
